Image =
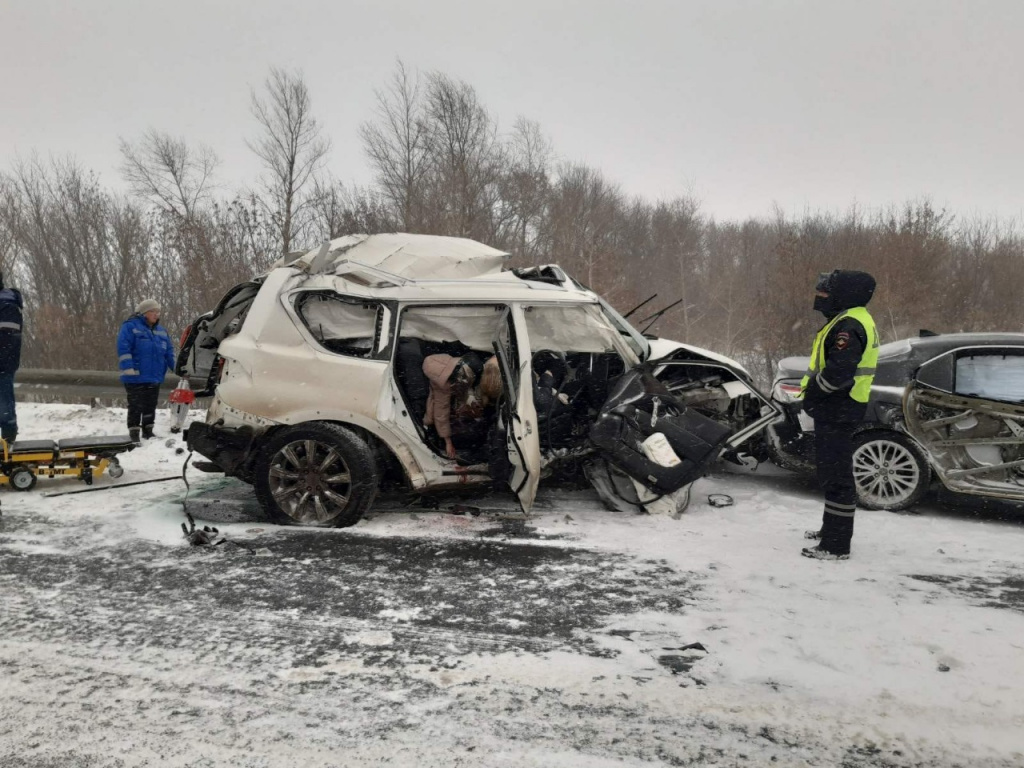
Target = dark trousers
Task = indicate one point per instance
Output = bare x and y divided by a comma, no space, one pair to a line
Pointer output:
142,400
833,446
8,417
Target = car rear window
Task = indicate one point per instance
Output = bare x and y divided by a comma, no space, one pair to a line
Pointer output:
340,325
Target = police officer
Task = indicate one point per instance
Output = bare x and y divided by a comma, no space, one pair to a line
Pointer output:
835,394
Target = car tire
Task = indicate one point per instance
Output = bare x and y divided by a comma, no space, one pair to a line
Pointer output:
889,470
317,474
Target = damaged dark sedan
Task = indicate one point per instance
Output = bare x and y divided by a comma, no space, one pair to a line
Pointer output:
943,407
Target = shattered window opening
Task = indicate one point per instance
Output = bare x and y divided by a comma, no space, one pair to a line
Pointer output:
344,327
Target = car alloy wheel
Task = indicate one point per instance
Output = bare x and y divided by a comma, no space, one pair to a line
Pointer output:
889,472
318,474
310,481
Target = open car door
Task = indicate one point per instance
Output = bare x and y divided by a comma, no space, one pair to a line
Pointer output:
653,437
965,408
518,416
198,359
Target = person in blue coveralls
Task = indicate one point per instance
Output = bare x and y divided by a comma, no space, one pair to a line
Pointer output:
144,355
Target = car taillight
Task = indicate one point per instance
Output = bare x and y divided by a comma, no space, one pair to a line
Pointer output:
184,336
787,391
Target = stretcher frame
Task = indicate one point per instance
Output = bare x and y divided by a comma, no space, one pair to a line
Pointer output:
85,458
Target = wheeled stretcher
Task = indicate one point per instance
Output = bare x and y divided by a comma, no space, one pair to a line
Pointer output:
84,457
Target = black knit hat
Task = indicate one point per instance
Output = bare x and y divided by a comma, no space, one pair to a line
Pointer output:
475,362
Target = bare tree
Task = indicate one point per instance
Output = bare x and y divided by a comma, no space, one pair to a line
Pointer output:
169,173
525,187
8,243
584,216
290,146
84,255
466,160
677,232
83,252
396,144
335,210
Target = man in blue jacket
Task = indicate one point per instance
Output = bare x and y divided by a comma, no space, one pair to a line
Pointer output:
10,357
144,354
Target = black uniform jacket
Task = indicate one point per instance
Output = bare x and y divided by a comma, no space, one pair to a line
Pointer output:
827,397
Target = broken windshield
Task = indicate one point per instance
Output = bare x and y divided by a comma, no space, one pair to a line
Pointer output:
629,334
576,328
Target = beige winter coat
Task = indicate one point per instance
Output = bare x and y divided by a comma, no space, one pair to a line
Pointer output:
438,370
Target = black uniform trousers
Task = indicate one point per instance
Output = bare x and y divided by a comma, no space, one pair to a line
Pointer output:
833,445
142,400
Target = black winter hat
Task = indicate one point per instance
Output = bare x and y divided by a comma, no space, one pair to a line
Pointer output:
846,289
475,361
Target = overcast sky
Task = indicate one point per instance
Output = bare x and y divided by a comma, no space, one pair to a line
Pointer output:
807,104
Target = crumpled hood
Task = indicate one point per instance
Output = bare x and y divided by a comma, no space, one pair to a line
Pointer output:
847,289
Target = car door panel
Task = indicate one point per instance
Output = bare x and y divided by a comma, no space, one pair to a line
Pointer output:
638,408
518,415
965,409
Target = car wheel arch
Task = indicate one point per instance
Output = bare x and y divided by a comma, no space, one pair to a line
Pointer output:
393,467
370,429
389,461
895,428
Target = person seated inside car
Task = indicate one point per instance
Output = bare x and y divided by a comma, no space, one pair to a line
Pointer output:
554,398
460,405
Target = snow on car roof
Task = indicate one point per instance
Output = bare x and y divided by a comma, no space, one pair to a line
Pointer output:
414,257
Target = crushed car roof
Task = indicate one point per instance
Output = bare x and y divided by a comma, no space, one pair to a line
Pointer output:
415,257
409,267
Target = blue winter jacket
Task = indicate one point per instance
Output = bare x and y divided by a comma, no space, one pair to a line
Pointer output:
10,330
143,354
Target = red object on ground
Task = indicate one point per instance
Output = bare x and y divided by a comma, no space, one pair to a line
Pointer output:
182,394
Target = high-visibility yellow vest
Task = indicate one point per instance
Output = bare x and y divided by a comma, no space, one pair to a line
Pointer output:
865,373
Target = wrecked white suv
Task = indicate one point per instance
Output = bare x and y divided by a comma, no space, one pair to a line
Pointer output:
320,388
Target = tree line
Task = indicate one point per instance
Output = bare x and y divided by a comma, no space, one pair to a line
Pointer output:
84,254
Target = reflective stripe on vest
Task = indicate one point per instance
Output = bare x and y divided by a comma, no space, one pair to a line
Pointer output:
865,373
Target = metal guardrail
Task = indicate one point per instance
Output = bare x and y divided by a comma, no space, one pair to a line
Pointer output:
72,386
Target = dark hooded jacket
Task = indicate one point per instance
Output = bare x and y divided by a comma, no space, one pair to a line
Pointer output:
844,347
10,329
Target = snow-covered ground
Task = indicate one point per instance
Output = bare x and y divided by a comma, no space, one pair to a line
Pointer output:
579,637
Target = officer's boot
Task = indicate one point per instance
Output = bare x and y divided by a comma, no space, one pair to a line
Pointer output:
136,434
